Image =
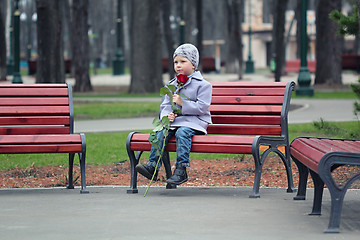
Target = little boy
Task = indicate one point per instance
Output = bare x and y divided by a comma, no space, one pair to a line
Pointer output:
194,117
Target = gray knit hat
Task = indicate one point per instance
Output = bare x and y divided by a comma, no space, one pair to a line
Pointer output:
188,51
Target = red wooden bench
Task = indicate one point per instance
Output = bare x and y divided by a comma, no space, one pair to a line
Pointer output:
39,118
320,156
245,116
294,66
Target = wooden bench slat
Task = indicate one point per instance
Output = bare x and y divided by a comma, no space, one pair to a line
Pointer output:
45,148
35,120
247,100
34,130
246,119
244,130
248,84
311,162
248,92
36,85
341,145
40,139
245,109
21,92
28,101
34,110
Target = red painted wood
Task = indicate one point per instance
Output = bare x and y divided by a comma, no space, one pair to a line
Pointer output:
44,148
34,110
249,84
244,130
248,91
247,100
34,130
38,120
40,139
36,85
246,119
245,109
35,92
305,159
37,101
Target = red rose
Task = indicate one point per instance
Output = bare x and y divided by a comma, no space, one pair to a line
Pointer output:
182,78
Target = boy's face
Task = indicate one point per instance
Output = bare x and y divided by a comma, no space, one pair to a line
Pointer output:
182,65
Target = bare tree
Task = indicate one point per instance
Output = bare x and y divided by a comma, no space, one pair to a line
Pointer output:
80,46
234,55
3,72
146,71
278,41
328,44
165,14
50,63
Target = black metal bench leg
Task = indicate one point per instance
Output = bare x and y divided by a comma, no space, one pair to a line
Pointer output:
71,166
82,172
167,166
258,171
133,173
287,162
318,193
303,177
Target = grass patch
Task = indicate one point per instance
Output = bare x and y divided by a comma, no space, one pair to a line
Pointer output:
108,148
115,110
346,94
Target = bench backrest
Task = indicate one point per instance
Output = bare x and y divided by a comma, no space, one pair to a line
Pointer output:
247,108
36,109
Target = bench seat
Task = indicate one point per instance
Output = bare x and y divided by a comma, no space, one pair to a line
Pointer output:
248,118
321,156
39,118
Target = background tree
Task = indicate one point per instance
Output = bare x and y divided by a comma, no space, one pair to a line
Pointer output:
234,50
146,70
50,62
80,46
328,44
3,72
278,41
168,36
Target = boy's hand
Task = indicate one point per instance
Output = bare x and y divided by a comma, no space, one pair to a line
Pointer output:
177,100
172,116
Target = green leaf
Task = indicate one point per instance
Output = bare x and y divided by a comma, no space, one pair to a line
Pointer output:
172,88
164,91
184,96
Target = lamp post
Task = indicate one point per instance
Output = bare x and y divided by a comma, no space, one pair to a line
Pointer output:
118,62
249,65
304,78
16,74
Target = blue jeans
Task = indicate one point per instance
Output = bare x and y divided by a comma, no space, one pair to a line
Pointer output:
183,145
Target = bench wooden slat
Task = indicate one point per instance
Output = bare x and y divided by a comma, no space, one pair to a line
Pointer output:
247,100
34,130
249,84
28,101
44,148
248,92
244,130
36,85
245,109
35,120
341,145
34,110
21,92
246,119
39,139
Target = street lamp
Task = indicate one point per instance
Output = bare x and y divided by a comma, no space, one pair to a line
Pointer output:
304,78
249,65
16,74
118,62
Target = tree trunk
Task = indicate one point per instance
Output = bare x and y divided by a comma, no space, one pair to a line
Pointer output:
199,25
278,37
3,72
165,13
234,51
328,44
50,62
80,46
146,70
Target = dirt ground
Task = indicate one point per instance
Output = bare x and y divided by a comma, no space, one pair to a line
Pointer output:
229,172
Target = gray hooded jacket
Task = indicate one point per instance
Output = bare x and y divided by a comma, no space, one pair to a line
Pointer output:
195,111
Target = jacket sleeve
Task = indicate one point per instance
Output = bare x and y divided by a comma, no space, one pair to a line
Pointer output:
199,106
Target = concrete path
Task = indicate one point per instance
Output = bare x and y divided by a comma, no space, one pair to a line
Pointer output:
185,213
